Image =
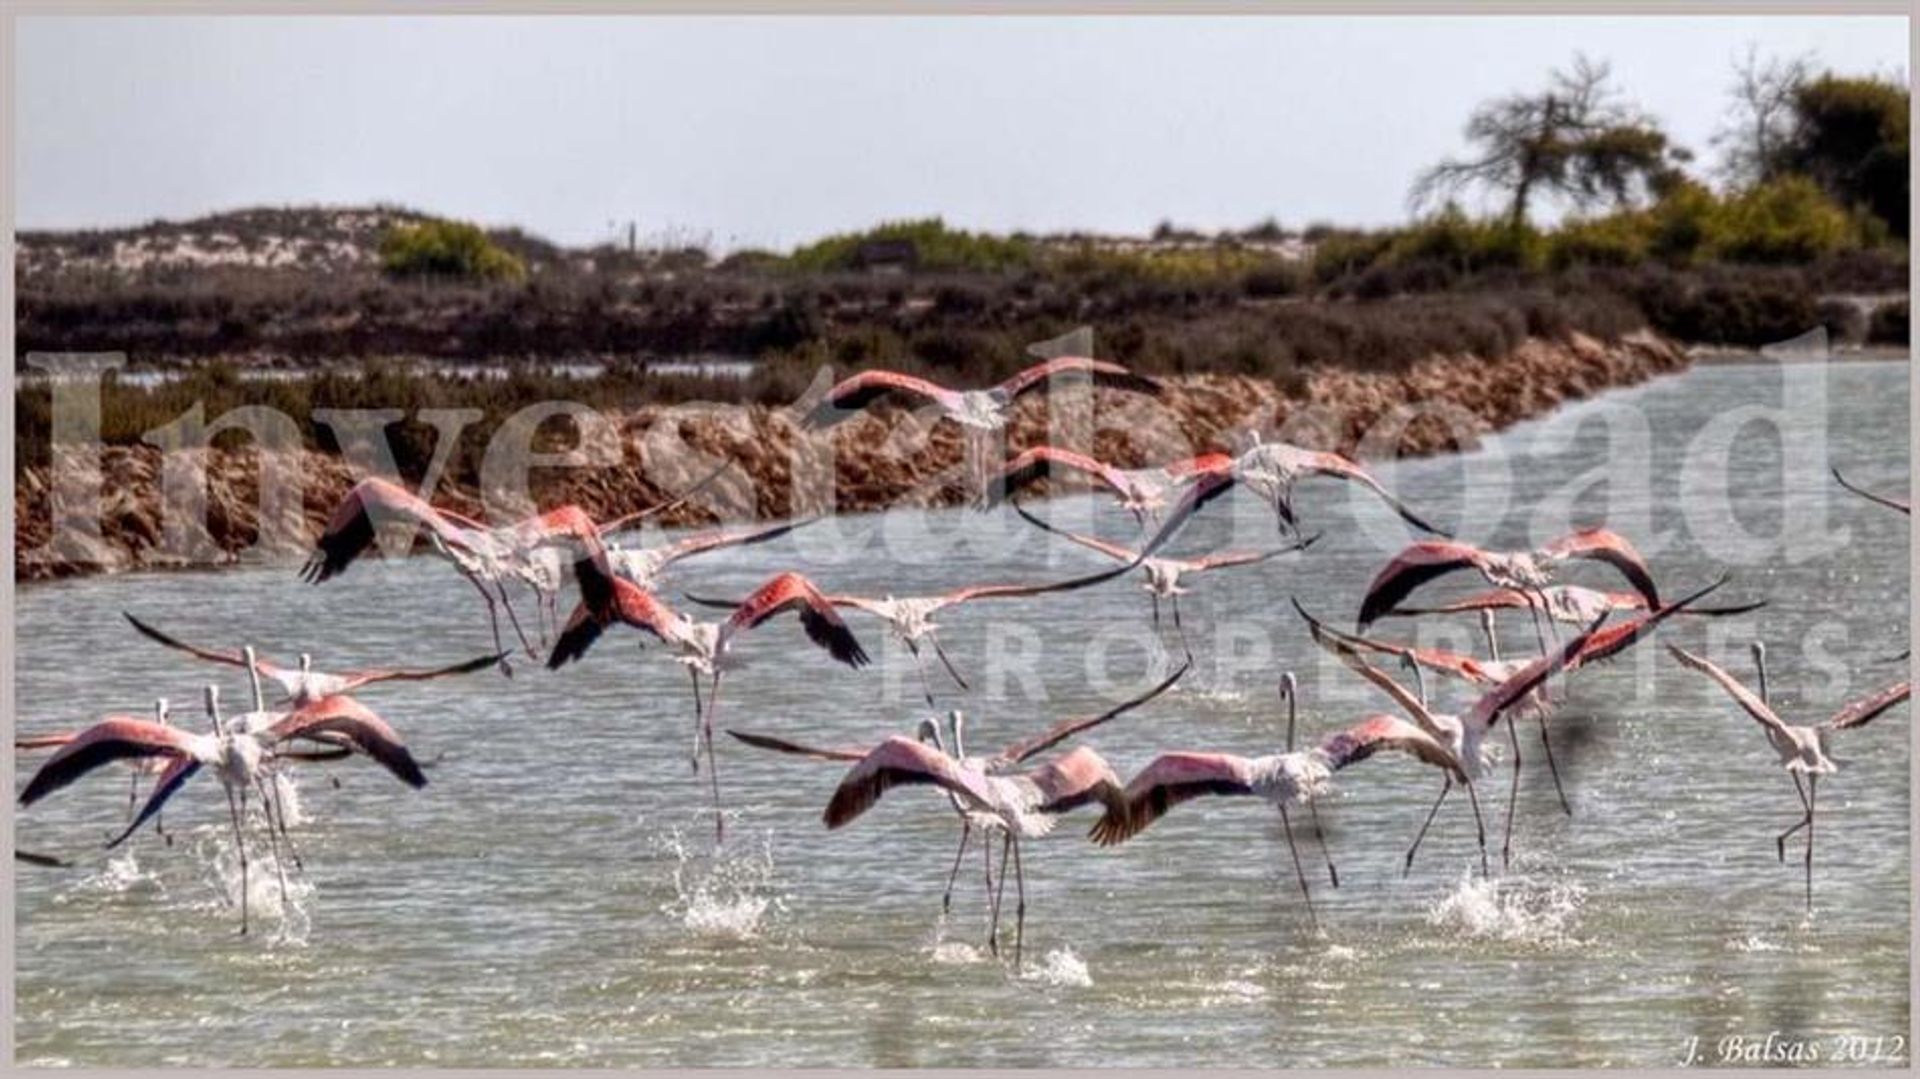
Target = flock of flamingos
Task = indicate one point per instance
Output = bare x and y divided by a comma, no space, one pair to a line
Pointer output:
1013,793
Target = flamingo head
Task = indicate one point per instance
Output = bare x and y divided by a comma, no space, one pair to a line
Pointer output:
213,709
928,731
957,723
160,710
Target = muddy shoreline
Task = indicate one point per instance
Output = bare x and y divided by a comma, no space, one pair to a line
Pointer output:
1440,404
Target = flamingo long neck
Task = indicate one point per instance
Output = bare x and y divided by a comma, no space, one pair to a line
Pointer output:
1290,690
1493,639
1419,680
1760,662
253,678
958,723
213,711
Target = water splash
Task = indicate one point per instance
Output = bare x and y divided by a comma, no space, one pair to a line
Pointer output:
724,893
277,894
117,875
1060,968
954,953
1516,909
286,790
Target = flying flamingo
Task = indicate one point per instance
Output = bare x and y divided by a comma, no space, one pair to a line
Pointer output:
1164,573
983,413
1290,777
304,685
910,618
240,758
486,557
1527,571
1892,503
1465,736
953,745
1802,748
136,767
706,647
1568,603
1142,492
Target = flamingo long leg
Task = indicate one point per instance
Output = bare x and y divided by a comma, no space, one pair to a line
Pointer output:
1286,823
1156,610
966,833
948,664
986,865
493,621
699,711
1513,798
279,815
133,794
1480,826
273,840
1553,769
1320,837
1020,898
1780,844
920,665
515,619
240,844
1813,797
999,895
1445,789
713,770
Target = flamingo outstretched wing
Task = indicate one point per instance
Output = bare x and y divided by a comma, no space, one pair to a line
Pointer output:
1414,566
179,770
1021,750
352,680
1045,462
1349,654
1323,463
1741,695
1468,668
631,604
1605,643
1229,559
1092,543
268,669
1099,372
1603,545
793,592
112,739
1487,710
1381,732
1884,500
1171,778
1863,711
336,717
781,745
898,761
858,391
371,503
1074,779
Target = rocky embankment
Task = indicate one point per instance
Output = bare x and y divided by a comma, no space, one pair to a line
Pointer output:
887,458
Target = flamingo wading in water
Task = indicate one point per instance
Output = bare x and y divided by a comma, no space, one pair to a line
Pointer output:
705,648
1802,749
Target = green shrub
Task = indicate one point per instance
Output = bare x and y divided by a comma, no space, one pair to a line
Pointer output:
1622,239
447,249
1787,220
936,247
1468,245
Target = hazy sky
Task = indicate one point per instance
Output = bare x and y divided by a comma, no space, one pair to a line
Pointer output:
775,130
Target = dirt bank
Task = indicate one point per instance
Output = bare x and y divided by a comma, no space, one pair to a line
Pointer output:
1446,403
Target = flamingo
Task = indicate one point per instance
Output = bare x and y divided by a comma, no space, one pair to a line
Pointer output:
1567,603
1163,573
240,757
706,647
910,618
1465,736
1802,748
1285,778
136,767
953,745
1526,571
1142,492
982,413
1892,503
304,685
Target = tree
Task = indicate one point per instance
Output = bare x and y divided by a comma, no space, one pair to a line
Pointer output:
1762,116
1851,136
1576,139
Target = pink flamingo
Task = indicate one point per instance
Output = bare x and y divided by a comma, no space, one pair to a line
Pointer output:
982,413
1142,492
241,758
303,685
1526,571
706,647
953,747
1567,603
1802,749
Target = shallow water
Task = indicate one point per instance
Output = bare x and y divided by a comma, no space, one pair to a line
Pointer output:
554,895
